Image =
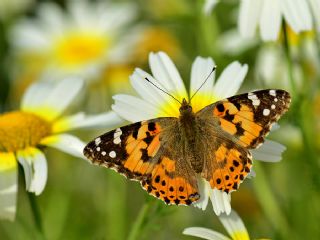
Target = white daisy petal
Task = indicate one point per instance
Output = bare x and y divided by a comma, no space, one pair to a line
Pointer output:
80,120
34,96
201,68
269,151
315,8
147,91
27,36
220,202
35,168
250,11
50,99
132,108
8,186
164,70
204,191
234,226
297,14
52,17
63,93
204,233
230,80
270,20
116,16
65,143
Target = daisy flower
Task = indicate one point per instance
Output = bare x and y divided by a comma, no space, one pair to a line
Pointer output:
271,61
232,223
268,14
25,132
153,103
81,40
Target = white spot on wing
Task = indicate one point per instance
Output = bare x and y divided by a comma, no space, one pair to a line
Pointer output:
97,141
273,106
272,93
98,149
116,136
266,112
255,100
112,154
103,153
275,99
252,96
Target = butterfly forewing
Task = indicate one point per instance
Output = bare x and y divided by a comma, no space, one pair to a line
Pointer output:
248,117
128,150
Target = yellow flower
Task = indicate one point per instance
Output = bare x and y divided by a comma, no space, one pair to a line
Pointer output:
84,39
38,123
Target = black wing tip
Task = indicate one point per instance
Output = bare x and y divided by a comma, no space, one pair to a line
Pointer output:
276,93
88,152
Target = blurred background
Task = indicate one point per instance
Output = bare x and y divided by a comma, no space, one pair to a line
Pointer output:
87,202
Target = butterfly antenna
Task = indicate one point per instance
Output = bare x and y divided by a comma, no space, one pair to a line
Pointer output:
162,90
213,69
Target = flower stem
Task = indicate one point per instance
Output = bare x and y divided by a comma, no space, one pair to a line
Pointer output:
136,229
36,213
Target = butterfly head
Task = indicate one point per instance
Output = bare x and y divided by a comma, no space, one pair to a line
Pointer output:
185,107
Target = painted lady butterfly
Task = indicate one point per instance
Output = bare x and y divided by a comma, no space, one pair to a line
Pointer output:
168,154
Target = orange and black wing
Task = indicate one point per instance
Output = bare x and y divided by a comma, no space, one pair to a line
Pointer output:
227,164
139,152
249,117
237,124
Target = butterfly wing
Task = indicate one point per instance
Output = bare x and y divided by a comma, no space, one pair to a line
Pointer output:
237,124
227,164
144,151
248,117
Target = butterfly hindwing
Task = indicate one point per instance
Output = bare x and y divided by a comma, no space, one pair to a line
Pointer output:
137,151
166,184
249,117
227,165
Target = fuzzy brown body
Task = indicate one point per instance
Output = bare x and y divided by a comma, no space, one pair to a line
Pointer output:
168,155
189,130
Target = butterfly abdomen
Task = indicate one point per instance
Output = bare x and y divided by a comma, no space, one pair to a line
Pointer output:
189,133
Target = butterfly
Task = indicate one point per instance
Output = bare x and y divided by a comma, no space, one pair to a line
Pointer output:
167,155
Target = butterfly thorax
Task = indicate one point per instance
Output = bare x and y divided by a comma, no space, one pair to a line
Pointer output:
188,127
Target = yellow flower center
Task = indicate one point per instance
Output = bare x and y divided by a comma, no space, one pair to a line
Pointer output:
19,130
240,235
296,38
171,108
80,49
